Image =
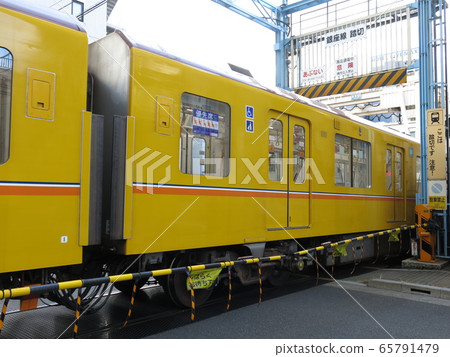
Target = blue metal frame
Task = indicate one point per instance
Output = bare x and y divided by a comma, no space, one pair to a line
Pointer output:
425,74
274,18
433,86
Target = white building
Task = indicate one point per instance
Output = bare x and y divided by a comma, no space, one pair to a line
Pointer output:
393,106
93,13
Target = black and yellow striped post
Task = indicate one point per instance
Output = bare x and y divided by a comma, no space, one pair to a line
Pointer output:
191,287
260,283
77,315
3,314
130,308
229,288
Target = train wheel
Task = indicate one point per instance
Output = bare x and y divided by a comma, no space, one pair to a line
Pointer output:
175,285
277,277
127,265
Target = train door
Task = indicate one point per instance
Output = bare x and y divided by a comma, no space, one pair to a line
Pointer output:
289,205
299,183
276,203
395,182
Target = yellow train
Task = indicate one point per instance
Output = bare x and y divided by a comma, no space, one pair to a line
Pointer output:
179,165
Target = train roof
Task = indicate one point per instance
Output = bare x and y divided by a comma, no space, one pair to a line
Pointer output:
43,13
254,83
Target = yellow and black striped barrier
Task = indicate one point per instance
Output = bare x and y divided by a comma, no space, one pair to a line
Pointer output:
76,284
375,80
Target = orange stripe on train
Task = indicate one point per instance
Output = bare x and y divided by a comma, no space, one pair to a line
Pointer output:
163,190
38,191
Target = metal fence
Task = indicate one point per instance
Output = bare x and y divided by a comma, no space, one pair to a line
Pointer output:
379,42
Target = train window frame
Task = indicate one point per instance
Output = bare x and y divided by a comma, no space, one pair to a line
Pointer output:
342,161
214,130
6,76
418,174
361,164
352,162
389,169
275,152
298,154
398,171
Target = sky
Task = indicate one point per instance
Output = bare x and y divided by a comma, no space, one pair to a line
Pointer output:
205,32
202,31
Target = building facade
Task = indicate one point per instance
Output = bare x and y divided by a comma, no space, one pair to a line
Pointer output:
93,13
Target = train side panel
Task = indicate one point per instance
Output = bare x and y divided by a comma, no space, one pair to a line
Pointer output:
40,179
174,205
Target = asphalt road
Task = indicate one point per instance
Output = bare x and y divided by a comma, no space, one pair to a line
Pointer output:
328,311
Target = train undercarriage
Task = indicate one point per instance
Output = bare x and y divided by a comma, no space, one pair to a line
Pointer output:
100,264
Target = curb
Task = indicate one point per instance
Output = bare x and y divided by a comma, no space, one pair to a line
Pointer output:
419,289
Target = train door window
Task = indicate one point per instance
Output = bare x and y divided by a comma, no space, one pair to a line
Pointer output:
198,156
275,150
204,136
388,169
342,158
361,164
299,154
418,175
6,64
352,162
398,171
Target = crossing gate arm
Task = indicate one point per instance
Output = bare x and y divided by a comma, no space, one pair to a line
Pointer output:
74,284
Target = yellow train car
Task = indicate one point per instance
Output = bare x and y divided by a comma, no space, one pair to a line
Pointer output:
119,157
207,166
43,78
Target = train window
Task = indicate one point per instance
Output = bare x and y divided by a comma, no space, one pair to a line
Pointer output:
78,10
198,156
6,64
398,171
361,164
418,175
299,154
352,162
204,136
388,169
342,158
275,150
